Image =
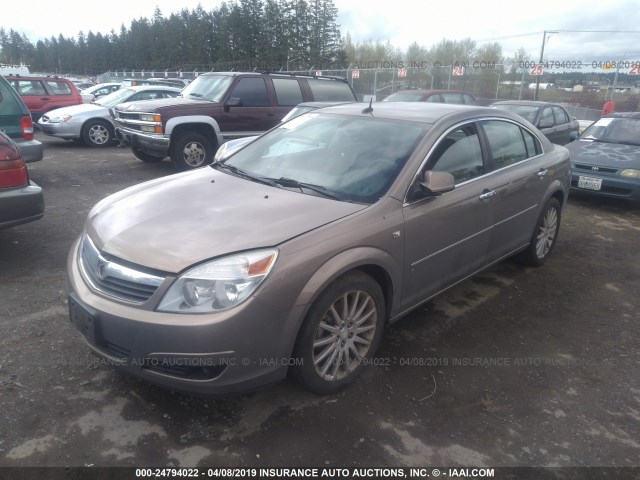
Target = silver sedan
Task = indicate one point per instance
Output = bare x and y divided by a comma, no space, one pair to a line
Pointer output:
91,122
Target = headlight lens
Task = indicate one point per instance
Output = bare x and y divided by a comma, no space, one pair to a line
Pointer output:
60,119
220,284
150,117
630,172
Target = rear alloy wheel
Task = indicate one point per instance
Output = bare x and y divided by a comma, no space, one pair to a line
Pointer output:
191,150
341,333
97,134
544,238
145,157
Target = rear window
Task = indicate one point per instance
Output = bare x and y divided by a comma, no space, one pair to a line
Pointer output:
330,90
9,104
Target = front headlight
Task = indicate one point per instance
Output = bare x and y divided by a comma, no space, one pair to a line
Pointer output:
151,117
220,284
630,172
60,119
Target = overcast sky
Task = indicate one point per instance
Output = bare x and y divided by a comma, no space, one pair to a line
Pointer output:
514,24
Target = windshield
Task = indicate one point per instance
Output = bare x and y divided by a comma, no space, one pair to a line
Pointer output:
528,112
296,112
114,98
208,87
614,130
351,158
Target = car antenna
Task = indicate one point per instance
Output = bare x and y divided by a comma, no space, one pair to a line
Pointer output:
369,109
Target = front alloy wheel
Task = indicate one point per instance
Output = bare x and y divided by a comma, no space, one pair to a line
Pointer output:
341,333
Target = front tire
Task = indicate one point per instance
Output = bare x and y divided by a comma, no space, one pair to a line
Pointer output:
191,150
545,235
341,334
97,134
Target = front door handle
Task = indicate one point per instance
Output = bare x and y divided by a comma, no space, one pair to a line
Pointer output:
542,172
486,195
45,98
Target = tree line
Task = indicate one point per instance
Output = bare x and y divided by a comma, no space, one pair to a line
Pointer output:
263,34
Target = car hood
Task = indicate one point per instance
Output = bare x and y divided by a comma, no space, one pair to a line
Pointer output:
75,110
158,105
615,155
172,223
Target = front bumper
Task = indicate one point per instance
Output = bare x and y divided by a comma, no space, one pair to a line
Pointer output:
61,129
612,185
20,205
157,145
212,354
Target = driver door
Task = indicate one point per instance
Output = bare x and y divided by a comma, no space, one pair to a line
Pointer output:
447,236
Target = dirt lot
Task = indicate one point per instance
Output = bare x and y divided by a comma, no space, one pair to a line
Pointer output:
517,367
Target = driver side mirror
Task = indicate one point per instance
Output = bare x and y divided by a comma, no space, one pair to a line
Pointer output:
436,183
232,102
573,135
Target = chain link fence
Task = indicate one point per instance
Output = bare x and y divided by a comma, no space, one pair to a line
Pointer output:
583,94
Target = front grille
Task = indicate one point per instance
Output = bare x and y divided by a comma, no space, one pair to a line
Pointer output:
590,168
114,279
128,116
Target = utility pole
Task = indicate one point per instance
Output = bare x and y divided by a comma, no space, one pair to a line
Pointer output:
544,40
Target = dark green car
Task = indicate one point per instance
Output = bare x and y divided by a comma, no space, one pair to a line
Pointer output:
16,122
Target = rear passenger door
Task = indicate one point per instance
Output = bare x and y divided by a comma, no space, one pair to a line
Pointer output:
519,179
563,126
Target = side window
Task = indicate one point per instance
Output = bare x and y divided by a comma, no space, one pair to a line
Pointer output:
146,95
546,119
288,91
506,143
459,153
59,88
31,87
452,98
434,98
533,144
468,99
330,90
561,115
252,92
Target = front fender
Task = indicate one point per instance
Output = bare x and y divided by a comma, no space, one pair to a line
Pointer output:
202,119
352,259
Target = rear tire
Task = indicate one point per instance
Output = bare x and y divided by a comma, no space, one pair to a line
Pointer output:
191,150
340,334
145,157
544,237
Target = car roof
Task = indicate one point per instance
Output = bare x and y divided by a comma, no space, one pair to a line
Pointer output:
138,88
526,103
429,92
633,115
415,111
275,74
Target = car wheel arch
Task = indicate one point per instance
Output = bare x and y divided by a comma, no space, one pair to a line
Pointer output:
372,261
200,123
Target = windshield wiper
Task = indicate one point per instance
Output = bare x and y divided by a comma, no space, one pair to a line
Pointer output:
290,182
241,173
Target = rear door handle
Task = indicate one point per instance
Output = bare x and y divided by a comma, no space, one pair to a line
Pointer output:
486,195
45,98
542,172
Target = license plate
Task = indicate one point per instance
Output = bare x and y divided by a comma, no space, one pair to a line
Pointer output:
82,320
590,183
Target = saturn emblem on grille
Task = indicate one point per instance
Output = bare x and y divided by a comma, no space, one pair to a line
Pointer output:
595,169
